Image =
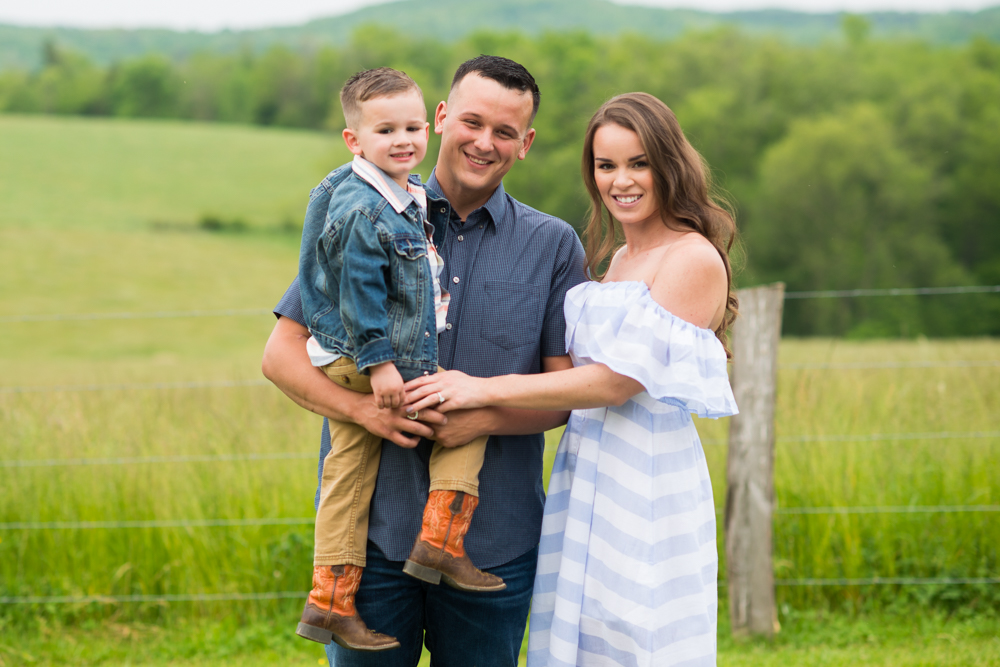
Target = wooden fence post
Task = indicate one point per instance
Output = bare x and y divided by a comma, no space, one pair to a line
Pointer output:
750,466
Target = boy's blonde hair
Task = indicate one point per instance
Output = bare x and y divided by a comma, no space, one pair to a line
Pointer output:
369,84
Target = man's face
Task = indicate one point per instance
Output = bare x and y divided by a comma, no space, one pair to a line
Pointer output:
483,128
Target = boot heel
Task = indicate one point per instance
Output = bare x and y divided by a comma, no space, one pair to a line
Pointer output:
320,635
422,572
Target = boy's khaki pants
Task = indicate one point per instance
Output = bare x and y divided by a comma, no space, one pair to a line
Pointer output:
350,470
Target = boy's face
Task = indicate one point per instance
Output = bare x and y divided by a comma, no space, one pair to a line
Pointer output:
392,134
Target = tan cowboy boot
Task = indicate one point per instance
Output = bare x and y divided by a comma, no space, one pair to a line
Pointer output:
438,552
330,613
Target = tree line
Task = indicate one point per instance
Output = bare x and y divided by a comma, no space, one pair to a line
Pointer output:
858,163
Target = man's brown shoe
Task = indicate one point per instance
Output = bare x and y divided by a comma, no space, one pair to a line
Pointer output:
330,614
439,553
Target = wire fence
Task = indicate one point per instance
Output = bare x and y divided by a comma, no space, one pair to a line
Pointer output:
293,595
206,384
300,521
244,312
272,456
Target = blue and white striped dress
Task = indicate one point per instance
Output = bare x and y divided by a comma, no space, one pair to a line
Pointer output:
627,565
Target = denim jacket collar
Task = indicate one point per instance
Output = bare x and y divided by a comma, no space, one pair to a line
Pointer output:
397,197
496,205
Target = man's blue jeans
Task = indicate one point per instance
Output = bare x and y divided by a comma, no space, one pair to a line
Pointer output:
463,629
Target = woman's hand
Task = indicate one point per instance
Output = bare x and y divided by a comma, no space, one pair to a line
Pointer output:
446,391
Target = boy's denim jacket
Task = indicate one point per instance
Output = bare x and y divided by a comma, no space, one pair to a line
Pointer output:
364,276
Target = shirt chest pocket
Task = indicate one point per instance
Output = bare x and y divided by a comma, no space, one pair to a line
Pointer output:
513,314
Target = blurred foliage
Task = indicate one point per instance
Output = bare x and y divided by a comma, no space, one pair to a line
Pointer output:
455,20
859,163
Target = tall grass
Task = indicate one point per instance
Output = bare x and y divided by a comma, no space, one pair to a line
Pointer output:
907,472
234,421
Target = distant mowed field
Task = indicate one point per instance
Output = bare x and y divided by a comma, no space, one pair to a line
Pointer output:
147,456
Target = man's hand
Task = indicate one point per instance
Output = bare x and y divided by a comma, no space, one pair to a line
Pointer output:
393,424
286,364
387,385
461,427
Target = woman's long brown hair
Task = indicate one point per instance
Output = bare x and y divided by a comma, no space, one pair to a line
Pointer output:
681,180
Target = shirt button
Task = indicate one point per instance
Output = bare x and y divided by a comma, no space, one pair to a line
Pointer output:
427,373
480,226
443,210
448,326
427,334
461,238
455,280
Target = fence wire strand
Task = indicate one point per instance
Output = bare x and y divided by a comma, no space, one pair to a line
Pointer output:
208,384
286,595
127,460
115,599
874,437
155,523
893,291
991,363
891,364
241,312
299,521
166,314
271,456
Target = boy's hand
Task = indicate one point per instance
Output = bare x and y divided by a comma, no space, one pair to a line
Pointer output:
387,385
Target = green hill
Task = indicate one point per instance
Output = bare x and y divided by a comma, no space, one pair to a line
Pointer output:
23,46
129,175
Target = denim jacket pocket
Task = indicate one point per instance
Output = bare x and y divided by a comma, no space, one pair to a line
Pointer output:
411,260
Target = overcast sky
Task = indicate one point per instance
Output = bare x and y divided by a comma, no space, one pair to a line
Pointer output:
218,14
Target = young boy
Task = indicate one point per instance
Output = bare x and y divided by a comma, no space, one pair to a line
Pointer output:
373,301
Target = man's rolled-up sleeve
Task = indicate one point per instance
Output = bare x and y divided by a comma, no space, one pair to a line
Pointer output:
567,273
290,304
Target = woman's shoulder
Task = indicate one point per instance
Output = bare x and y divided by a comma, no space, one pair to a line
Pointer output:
692,250
692,281
620,325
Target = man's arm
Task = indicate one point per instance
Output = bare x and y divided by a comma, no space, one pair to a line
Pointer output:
286,364
464,426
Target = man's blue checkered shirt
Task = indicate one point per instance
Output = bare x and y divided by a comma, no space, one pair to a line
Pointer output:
508,268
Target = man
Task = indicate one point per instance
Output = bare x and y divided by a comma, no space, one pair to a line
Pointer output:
508,268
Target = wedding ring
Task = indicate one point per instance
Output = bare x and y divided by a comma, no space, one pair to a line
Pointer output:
413,415
440,397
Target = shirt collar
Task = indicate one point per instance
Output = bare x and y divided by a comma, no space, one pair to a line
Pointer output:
397,197
495,206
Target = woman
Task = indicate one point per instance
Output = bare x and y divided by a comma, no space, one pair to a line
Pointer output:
628,563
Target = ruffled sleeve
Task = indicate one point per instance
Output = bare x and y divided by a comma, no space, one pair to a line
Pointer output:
621,326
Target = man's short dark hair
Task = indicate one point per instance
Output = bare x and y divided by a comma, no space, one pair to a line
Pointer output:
369,84
506,72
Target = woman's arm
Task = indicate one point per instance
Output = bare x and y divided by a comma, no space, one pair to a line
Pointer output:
590,386
692,285
464,426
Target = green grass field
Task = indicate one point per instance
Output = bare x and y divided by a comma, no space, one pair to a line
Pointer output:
91,245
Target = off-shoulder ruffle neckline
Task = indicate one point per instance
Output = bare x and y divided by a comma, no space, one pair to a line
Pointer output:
644,293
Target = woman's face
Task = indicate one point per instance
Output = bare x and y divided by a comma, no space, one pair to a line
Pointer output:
624,177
